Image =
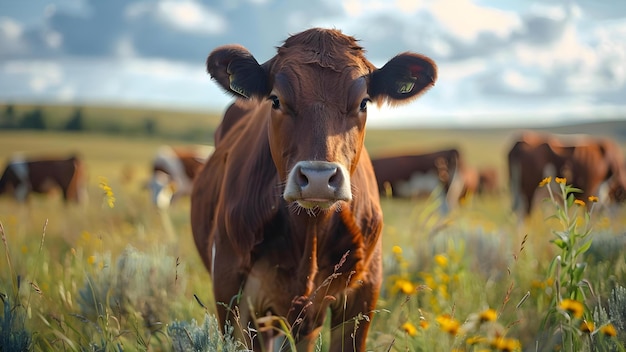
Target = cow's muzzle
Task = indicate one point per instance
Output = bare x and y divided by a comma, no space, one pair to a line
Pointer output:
317,184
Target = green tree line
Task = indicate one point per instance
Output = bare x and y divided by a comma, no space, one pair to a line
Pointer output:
77,120
37,119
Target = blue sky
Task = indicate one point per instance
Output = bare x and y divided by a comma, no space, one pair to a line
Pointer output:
517,62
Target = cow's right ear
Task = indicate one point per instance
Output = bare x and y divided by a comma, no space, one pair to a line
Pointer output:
238,72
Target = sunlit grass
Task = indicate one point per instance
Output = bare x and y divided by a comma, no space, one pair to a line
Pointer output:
476,279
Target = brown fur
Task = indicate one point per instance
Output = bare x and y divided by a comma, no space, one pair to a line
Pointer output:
46,175
270,256
393,169
584,161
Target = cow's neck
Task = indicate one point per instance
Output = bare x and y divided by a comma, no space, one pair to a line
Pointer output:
330,250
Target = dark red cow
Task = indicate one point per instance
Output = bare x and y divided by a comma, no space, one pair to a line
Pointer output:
286,212
413,175
586,162
44,175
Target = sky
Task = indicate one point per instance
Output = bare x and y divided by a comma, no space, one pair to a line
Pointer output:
501,62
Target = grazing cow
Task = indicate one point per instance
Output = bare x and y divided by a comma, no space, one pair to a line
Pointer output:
488,182
478,181
286,213
587,163
44,175
173,171
414,175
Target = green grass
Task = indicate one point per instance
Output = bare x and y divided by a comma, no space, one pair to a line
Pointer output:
99,278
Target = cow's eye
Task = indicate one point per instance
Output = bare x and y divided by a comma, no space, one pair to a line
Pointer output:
275,102
363,106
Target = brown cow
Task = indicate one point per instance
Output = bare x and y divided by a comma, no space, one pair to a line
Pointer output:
286,212
173,171
478,181
586,162
413,175
44,175
488,182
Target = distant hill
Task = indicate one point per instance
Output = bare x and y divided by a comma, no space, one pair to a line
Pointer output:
615,129
199,125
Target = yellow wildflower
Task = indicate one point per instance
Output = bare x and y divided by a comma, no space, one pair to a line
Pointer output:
579,202
24,249
425,324
441,260
396,250
587,326
488,315
545,181
593,199
572,307
108,191
91,259
506,344
405,286
448,324
608,330
409,328
560,180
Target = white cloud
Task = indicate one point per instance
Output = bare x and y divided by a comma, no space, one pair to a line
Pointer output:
40,75
132,81
495,58
138,9
186,15
466,20
10,29
191,16
519,82
125,48
53,39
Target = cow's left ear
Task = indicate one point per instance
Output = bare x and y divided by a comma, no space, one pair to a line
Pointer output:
238,72
402,79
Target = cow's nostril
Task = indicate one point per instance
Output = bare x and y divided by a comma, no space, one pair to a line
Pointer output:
302,178
334,180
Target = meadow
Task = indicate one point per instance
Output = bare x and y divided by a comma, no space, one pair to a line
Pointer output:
116,274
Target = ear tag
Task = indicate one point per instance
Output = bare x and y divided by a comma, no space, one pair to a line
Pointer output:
235,88
405,87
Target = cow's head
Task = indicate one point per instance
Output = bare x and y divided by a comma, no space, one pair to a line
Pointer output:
316,91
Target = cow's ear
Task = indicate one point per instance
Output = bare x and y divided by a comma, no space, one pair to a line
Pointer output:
403,78
238,72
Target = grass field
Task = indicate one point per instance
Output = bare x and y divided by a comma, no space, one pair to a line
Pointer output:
101,278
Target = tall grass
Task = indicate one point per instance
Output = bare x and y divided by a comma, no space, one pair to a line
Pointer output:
107,277
116,274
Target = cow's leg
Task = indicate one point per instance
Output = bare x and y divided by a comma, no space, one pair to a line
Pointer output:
228,292
351,317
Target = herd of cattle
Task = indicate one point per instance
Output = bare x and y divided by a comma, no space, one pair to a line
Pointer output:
285,210
593,164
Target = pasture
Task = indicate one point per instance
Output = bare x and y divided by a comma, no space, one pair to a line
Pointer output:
116,274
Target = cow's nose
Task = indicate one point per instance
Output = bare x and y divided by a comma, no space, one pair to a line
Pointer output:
317,181
317,177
